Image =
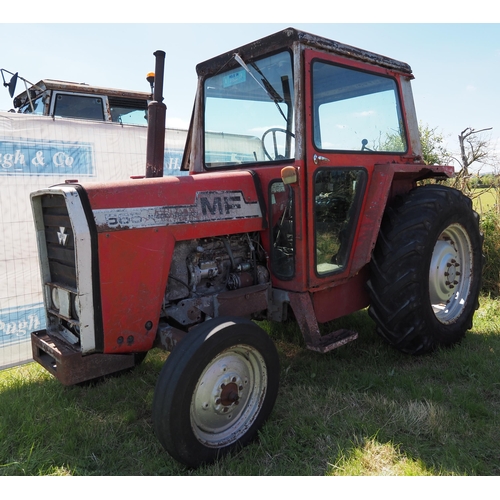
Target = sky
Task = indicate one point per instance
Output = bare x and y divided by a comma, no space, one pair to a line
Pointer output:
455,58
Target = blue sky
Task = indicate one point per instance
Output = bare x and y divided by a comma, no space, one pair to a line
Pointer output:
456,65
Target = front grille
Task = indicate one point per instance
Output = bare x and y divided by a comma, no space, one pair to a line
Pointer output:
60,240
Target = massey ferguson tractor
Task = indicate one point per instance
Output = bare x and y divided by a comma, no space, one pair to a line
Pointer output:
303,202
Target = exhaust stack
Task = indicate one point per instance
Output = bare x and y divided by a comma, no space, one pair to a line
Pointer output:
156,122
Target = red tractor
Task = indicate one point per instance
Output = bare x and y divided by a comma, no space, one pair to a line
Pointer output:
302,202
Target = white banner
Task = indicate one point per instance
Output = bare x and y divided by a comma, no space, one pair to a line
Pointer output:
36,152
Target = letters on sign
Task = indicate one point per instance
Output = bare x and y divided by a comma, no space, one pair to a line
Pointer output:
33,157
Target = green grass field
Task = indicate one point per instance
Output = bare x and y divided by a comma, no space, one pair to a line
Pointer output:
484,199
363,409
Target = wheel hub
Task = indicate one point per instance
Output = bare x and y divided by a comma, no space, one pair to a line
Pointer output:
450,273
445,270
228,396
227,393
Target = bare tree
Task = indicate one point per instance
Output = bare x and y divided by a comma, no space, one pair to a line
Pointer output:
473,149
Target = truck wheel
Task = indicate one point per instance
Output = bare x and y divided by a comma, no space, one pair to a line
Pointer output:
215,390
425,274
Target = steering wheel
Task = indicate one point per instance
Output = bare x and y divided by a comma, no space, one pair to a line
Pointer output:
364,142
273,131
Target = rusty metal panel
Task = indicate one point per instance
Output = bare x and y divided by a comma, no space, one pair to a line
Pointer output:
286,38
67,364
168,337
84,88
305,314
244,302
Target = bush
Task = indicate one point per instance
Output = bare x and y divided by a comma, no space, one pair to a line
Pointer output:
490,225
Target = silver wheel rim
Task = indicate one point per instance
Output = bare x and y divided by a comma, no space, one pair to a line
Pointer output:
228,396
450,273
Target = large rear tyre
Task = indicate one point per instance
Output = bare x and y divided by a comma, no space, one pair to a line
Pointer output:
215,391
425,274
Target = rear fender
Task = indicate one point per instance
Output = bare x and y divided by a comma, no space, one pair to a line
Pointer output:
387,180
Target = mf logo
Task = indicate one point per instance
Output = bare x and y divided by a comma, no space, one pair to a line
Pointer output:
62,236
220,205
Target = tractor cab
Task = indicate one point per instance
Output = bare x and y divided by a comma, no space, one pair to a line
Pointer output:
62,99
317,122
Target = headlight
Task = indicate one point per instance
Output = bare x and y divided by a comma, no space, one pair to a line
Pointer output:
55,298
75,307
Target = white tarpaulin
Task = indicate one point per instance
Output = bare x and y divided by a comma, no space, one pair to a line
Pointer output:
36,152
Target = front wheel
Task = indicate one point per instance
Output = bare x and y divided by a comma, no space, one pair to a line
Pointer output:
425,274
215,391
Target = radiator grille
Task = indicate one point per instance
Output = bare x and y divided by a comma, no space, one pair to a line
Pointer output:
60,240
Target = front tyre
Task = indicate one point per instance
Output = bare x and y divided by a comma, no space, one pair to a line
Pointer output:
215,391
425,274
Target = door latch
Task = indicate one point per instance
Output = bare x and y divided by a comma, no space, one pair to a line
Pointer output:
317,159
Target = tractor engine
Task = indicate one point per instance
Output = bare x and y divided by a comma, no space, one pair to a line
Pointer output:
202,269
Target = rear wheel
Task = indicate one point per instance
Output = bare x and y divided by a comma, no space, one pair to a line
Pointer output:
215,391
426,268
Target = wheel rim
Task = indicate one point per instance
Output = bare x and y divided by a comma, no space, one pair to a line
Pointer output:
450,273
228,396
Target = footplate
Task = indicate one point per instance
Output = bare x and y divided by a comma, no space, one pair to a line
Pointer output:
68,365
331,341
306,317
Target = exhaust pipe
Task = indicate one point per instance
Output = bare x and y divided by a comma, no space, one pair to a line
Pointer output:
156,122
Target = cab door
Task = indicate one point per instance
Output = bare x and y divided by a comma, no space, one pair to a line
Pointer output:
353,121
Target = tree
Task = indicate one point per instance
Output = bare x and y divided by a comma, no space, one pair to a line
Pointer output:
474,149
434,151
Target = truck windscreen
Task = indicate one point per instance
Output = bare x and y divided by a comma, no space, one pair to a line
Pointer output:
249,112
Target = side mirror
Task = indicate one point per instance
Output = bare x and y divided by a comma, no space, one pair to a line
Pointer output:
11,84
289,175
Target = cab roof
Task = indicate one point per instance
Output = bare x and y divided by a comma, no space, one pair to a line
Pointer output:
83,88
286,38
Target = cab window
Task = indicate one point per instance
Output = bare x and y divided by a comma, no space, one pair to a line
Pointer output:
337,201
128,111
36,106
356,111
78,106
249,112
282,230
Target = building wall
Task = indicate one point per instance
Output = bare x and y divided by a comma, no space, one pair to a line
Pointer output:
37,152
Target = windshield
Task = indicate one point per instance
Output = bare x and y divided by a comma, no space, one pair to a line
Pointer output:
35,106
249,112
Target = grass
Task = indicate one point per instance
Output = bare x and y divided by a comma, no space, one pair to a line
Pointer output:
363,409
484,199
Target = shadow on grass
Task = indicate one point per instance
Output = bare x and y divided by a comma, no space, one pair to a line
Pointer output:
362,409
